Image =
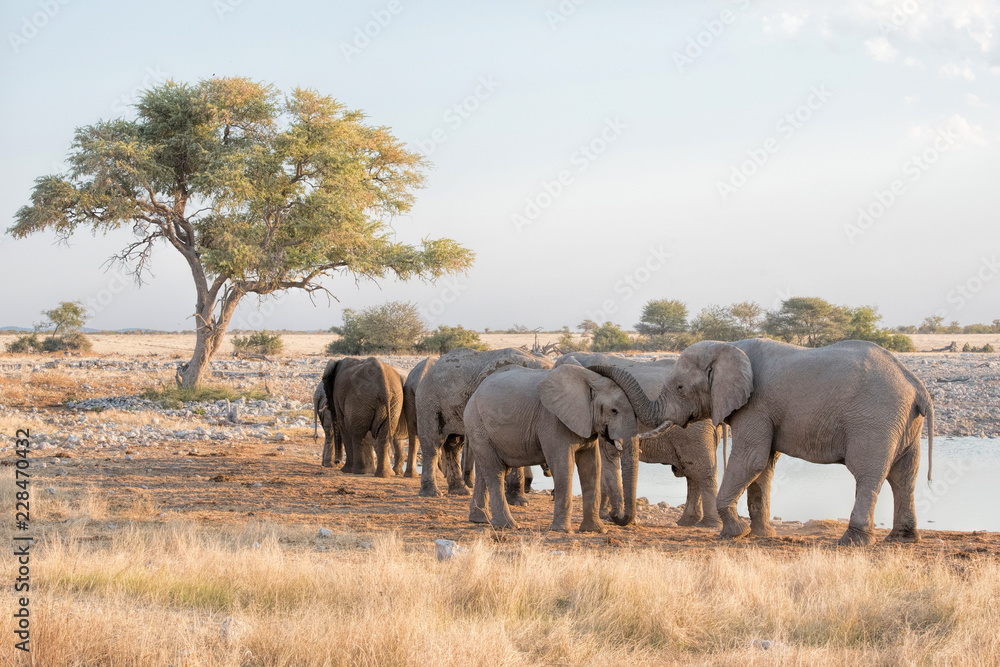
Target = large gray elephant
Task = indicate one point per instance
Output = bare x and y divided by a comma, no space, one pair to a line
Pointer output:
333,447
367,399
442,395
413,379
851,403
690,452
523,417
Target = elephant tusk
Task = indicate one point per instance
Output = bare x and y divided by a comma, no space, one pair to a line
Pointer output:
618,445
656,431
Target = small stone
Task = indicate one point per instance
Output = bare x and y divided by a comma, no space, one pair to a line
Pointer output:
128,457
324,532
448,549
51,489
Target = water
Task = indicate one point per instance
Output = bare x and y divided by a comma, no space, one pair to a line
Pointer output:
963,495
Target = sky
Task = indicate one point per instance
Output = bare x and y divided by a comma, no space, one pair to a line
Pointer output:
593,155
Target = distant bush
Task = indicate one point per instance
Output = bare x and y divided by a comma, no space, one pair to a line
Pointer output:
72,342
517,329
391,327
172,397
259,342
985,348
568,344
25,344
666,342
446,338
609,337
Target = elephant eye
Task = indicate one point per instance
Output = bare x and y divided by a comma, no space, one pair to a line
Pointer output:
680,387
614,411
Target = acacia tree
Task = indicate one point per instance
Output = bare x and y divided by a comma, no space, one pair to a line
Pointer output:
258,192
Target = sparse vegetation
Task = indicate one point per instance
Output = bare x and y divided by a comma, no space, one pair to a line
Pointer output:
569,344
662,316
609,337
983,348
390,327
64,322
445,338
174,396
259,342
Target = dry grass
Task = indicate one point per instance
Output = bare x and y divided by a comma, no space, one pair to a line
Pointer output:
159,594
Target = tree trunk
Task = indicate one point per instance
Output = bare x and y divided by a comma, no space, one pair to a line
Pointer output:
210,332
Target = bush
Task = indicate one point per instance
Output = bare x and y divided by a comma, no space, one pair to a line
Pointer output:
568,344
173,397
25,344
985,348
666,342
517,329
391,327
446,338
609,337
76,342
259,342
661,316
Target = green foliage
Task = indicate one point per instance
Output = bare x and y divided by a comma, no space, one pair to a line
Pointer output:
568,344
72,342
932,324
67,318
446,338
985,348
25,344
748,317
259,192
609,337
394,326
259,342
517,329
676,342
588,327
808,321
173,397
717,323
660,316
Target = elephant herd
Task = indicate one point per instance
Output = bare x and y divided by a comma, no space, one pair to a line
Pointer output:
484,418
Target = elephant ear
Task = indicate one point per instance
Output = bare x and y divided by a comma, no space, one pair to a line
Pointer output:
570,361
565,392
730,381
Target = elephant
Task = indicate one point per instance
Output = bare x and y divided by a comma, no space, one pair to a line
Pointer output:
522,417
367,397
851,402
441,397
413,379
690,452
323,413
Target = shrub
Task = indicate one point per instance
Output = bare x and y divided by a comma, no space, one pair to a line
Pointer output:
173,397
517,329
75,341
446,338
25,344
985,348
609,337
391,327
259,342
660,316
568,344
666,342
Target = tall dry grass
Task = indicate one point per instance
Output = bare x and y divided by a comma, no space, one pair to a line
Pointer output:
185,594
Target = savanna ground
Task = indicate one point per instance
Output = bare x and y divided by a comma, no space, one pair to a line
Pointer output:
208,553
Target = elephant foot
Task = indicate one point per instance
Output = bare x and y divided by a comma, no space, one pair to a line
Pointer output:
561,528
459,491
519,500
469,481
327,464
505,525
715,522
687,520
766,530
410,473
592,527
738,527
383,473
429,491
605,515
478,515
857,537
908,534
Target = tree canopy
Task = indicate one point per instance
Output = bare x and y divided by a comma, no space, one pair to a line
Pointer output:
258,191
661,316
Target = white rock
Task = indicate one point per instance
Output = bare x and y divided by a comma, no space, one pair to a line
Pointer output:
447,549
324,532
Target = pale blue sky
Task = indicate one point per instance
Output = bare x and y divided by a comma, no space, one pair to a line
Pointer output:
642,219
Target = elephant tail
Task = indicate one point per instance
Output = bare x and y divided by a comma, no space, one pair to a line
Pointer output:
925,406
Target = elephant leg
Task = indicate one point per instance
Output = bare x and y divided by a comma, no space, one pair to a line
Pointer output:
588,463
478,506
338,444
501,517
429,433
468,467
382,466
750,455
364,458
861,528
693,510
411,457
514,487
902,478
349,451
759,500
707,486
327,442
452,466
398,448
562,478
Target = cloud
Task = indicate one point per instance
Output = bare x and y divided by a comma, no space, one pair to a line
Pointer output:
973,101
785,23
909,99
956,126
880,49
954,71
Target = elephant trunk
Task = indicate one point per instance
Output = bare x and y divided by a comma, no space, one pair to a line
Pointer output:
612,494
630,476
646,411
